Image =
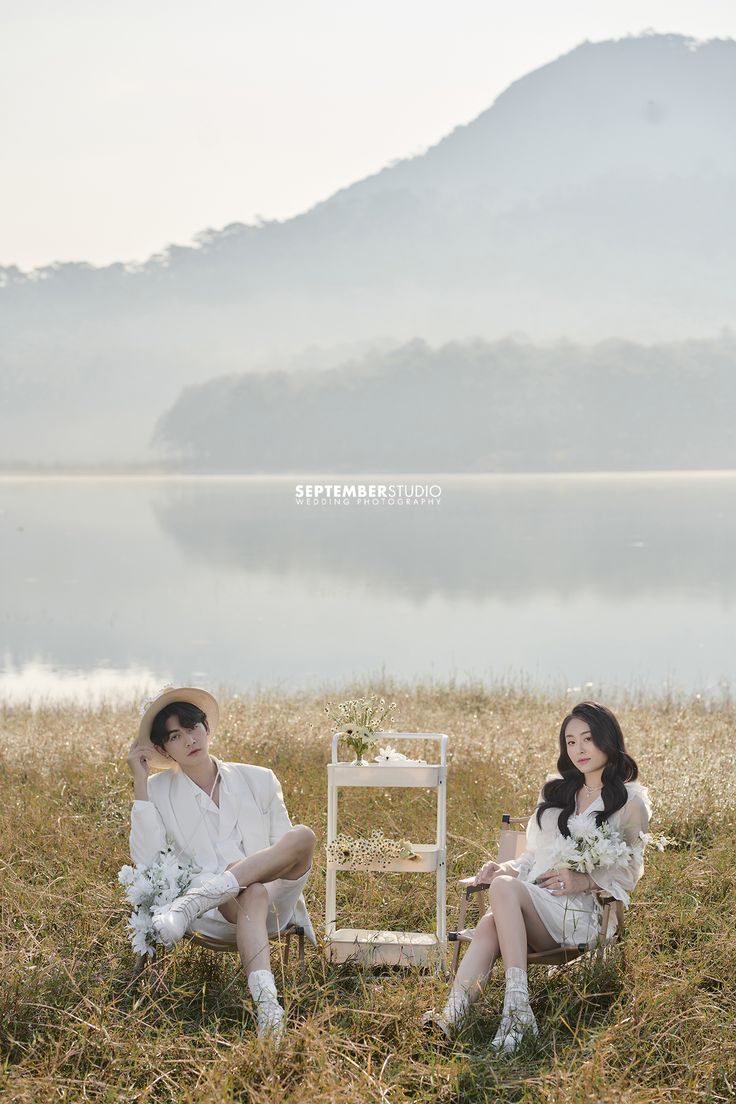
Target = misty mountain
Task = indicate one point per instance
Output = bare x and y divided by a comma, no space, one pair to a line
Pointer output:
594,198
506,406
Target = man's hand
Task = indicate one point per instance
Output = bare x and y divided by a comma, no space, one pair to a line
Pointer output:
138,763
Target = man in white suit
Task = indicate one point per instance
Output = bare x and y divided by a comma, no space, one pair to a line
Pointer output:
230,819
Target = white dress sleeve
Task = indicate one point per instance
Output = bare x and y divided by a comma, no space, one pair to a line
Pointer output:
630,821
147,833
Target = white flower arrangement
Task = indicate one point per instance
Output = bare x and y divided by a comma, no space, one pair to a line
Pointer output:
358,720
389,756
150,890
377,849
589,846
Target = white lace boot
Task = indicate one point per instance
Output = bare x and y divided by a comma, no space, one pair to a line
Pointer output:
450,1018
269,1012
170,926
517,1017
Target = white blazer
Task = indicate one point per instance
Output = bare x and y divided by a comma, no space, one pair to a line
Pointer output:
172,815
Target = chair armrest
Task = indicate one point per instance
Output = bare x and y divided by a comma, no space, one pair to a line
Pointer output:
468,884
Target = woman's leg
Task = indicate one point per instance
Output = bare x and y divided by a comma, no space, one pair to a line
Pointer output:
478,959
519,927
289,857
470,978
517,921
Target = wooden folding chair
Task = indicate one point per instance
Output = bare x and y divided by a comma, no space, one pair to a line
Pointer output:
213,944
511,844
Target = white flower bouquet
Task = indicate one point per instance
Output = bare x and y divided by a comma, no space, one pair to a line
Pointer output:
589,846
376,849
358,720
151,889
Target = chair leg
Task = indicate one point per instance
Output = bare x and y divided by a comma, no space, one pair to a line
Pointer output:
460,925
605,924
286,947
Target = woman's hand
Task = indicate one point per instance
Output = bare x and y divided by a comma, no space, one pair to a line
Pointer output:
138,763
563,882
487,873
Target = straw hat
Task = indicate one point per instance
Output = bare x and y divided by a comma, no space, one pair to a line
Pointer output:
149,709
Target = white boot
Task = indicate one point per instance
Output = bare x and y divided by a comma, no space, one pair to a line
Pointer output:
452,1015
170,926
269,1012
517,1017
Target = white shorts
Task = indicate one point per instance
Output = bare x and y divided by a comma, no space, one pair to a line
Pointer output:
283,894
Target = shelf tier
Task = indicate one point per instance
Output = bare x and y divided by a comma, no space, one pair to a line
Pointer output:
383,948
345,774
427,858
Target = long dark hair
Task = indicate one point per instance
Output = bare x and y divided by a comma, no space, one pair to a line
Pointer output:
560,793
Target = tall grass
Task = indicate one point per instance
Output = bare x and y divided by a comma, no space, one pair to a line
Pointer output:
653,1021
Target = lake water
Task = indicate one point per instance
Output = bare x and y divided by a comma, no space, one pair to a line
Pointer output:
111,586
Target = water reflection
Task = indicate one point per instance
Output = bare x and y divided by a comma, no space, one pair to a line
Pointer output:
619,581
508,537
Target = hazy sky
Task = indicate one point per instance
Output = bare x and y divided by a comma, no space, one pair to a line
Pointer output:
127,126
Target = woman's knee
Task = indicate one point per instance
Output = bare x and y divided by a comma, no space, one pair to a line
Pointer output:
502,886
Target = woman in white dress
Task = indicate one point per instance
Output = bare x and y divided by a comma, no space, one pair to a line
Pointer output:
536,906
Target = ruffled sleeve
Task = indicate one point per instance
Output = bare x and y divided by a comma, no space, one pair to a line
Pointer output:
631,821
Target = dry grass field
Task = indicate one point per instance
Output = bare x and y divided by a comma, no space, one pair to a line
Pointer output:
654,1022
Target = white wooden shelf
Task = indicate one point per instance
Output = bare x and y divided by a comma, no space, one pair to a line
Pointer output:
369,947
347,774
375,947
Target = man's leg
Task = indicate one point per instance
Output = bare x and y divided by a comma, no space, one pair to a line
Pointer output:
289,857
249,912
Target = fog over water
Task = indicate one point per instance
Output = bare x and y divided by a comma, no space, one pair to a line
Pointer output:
619,581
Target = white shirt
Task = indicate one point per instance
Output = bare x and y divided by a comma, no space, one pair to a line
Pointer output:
220,823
